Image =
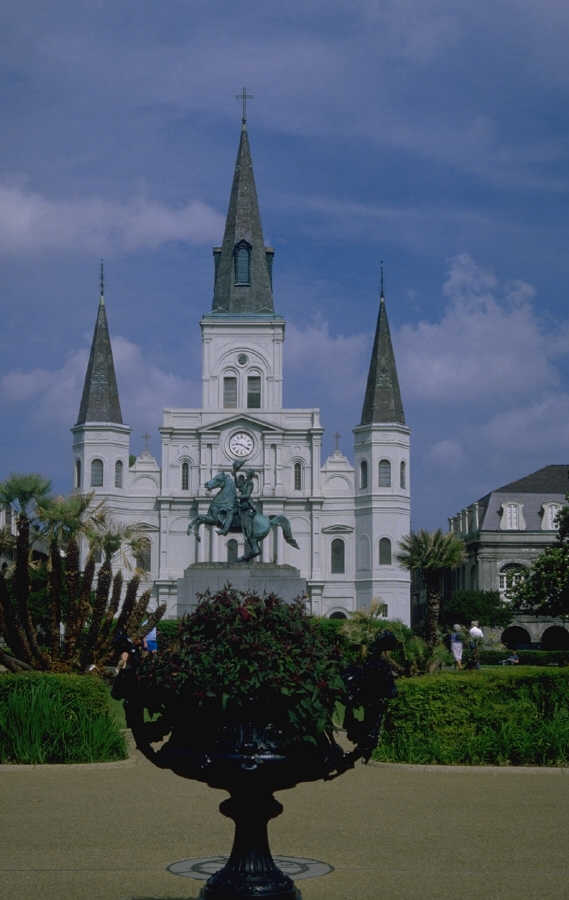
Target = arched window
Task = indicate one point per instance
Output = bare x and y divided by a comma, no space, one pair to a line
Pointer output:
242,254
385,552
118,474
185,476
403,476
384,473
77,473
143,554
509,576
363,474
97,473
298,476
232,551
230,392
337,557
254,392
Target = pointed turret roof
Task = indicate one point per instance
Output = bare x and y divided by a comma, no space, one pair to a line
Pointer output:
382,401
243,224
100,399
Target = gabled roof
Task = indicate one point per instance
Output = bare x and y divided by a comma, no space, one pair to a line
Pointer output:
243,223
100,399
239,419
549,480
382,401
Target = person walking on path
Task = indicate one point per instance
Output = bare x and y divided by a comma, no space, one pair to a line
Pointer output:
476,635
457,645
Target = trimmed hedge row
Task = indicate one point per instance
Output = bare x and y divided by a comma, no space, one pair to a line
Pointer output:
51,718
510,716
527,657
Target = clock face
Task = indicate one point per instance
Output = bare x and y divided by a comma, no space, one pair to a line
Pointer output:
241,444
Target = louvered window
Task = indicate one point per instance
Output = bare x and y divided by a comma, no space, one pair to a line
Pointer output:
385,473
298,476
254,392
242,263
230,392
97,473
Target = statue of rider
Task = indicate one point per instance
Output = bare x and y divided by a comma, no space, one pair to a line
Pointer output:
247,511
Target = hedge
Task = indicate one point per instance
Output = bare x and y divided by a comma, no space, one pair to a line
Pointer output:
509,716
53,718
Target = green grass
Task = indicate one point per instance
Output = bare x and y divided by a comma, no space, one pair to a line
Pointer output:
41,723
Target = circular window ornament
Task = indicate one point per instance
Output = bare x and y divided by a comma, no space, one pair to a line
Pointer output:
242,359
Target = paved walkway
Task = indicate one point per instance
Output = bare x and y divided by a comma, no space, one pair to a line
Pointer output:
108,832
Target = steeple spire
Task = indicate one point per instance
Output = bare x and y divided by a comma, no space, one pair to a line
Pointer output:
382,401
243,263
100,399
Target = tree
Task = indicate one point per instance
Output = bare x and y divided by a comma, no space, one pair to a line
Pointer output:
431,554
88,621
25,492
485,606
545,589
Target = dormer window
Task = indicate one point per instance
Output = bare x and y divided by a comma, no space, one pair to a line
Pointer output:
550,513
512,517
242,256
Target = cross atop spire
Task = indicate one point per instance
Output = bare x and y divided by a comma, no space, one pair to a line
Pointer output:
381,294
244,96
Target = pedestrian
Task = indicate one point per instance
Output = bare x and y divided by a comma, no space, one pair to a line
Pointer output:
476,635
457,645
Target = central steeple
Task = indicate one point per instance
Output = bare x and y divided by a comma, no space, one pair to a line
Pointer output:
243,265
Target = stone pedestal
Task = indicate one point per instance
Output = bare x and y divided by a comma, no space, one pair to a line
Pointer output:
284,581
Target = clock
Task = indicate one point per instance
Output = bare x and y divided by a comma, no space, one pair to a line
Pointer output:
241,444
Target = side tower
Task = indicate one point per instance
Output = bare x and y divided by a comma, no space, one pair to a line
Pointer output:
382,491
101,441
242,337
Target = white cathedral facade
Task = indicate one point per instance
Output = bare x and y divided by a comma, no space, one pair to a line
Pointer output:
347,519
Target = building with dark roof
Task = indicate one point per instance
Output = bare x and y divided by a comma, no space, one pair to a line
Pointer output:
504,532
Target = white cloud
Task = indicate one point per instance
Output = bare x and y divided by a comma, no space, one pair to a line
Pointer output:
31,222
53,397
320,360
487,349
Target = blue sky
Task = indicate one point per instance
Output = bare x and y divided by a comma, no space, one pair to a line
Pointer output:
426,133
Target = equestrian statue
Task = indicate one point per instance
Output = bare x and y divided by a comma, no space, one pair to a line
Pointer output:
232,510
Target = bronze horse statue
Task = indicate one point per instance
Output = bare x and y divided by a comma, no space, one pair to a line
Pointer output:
224,511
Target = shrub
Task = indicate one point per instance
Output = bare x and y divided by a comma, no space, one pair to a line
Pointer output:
510,716
239,652
49,718
166,632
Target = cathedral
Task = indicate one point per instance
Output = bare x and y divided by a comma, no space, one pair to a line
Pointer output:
347,519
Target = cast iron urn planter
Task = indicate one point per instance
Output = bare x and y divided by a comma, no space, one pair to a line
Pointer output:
251,750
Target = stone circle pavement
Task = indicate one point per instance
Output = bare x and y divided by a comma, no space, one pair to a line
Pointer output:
382,832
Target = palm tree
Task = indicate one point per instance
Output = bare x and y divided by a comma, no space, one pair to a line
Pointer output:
23,492
63,520
431,554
